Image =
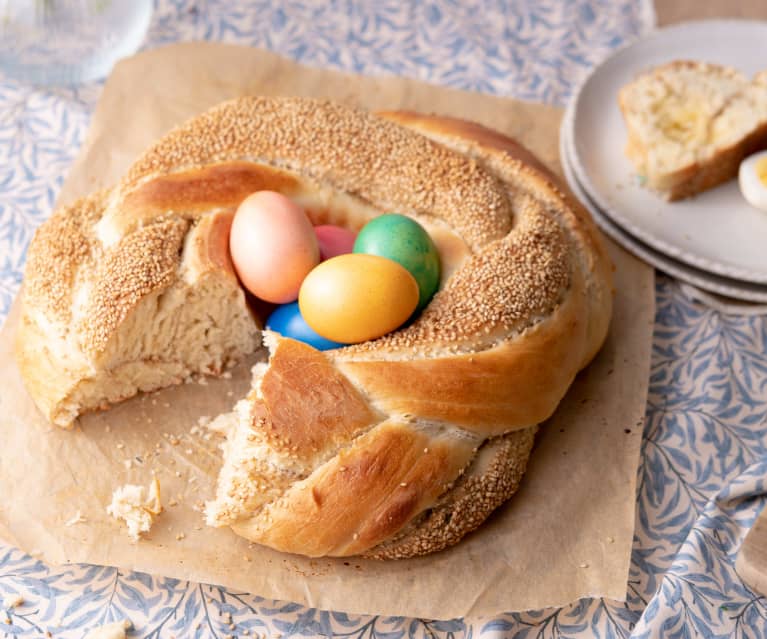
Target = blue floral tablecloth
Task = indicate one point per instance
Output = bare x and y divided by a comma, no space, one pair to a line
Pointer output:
704,462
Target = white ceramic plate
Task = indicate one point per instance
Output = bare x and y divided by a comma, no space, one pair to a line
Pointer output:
716,231
705,280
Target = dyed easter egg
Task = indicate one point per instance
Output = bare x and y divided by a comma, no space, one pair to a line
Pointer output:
353,298
288,322
334,240
405,241
273,246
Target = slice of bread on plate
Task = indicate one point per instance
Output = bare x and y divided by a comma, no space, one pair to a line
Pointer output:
691,123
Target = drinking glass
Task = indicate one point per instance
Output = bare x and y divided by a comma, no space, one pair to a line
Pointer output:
68,42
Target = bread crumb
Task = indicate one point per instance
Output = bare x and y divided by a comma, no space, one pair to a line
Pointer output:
611,540
188,451
180,536
226,375
174,441
178,473
426,450
136,506
403,484
77,518
119,445
128,463
584,565
12,601
114,630
172,502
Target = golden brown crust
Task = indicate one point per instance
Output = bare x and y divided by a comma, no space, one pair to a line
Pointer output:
336,413
490,357
492,391
492,478
198,191
339,453
722,167
363,495
348,149
210,239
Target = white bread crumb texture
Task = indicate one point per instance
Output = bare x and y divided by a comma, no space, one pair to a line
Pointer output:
137,507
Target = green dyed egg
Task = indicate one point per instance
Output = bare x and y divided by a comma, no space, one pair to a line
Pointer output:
405,241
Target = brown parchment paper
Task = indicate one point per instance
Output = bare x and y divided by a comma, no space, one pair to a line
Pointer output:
567,533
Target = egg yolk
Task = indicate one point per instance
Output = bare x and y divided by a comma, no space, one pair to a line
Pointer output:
761,170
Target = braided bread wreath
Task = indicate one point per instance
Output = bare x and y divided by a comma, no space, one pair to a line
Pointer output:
390,448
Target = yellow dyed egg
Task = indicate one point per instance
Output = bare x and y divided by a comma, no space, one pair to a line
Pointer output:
356,297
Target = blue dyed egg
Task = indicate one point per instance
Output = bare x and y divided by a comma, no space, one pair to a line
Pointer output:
288,322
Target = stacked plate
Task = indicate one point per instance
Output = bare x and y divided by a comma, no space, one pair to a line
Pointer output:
715,241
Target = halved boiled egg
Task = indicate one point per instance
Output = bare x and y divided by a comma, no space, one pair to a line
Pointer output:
752,178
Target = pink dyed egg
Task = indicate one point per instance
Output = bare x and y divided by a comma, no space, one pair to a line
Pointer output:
273,246
334,240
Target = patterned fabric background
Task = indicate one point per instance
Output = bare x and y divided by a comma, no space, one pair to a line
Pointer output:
701,479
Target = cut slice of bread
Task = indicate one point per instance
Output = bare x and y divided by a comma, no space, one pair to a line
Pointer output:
691,123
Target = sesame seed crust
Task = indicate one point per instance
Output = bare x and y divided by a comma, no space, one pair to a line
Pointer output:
58,249
492,355
524,303
348,149
144,262
503,289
